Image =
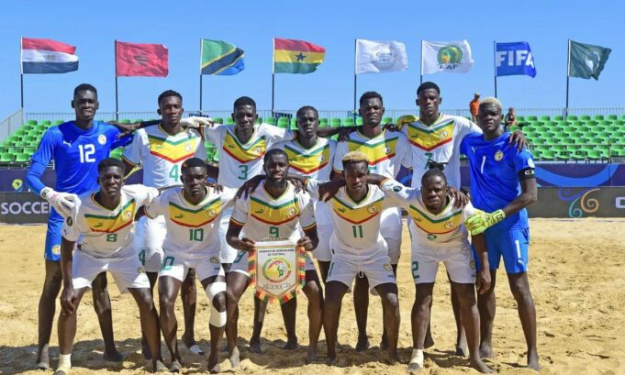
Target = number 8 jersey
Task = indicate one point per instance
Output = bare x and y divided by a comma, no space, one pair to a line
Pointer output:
161,154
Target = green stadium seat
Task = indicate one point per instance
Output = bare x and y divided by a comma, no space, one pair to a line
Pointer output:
558,118
6,157
270,121
585,118
572,118
548,155
604,134
544,118
323,121
220,120
284,123
259,120
29,150
618,150
597,117
532,118
230,121
596,155
538,141
387,120
335,122
22,158
31,122
294,123
216,157
348,121
359,121
537,154
520,118
558,147
578,155
612,117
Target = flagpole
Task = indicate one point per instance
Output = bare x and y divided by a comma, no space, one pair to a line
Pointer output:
495,64
568,71
421,71
116,92
355,75
201,46
273,76
21,76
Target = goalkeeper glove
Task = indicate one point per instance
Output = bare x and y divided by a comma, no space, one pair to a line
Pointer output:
195,122
479,222
63,203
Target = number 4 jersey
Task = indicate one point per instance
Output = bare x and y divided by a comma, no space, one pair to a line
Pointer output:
161,154
107,233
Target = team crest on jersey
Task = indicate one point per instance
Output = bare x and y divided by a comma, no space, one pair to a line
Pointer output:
472,264
211,213
449,225
443,134
140,269
388,267
498,155
372,209
322,158
127,215
56,249
215,260
102,139
291,212
432,237
188,147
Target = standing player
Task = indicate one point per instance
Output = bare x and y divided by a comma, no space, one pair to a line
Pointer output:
103,221
437,137
503,182
358,248
275,211
311,156
439,234
192,242
160,151
76,147
386,151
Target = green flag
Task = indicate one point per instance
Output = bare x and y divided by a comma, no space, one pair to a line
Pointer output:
220,58
586,60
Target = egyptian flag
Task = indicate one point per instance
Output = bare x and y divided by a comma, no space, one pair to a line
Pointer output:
40,56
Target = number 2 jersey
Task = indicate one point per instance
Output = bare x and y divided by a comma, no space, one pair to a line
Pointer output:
192,229
104,233
264,217
239,162
161,154
439,142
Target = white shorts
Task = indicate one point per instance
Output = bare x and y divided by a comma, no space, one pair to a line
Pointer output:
323,253
241,265
127,271
177,265
390,228
459,264
377,270
149,238
228,253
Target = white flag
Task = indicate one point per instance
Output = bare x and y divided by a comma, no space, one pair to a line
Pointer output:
380,57
451,57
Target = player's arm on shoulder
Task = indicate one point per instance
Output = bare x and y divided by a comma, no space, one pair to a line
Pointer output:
237,221
308,223
398,195
275,134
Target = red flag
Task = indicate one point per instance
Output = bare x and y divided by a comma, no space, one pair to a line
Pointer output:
141,60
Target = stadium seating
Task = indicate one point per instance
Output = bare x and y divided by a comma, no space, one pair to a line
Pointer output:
583,138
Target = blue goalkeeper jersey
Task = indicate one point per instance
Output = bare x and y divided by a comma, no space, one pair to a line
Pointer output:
76,153
496,169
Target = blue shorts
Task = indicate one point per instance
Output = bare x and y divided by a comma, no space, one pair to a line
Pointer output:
53,238
512,245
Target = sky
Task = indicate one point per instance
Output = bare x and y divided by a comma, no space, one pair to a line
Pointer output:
251,24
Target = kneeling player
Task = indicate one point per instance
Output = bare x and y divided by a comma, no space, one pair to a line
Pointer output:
439,234
104,219
358,248
273,211
192,242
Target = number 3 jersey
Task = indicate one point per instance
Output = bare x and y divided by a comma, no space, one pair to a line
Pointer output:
264,217
191,228
161,154
104,233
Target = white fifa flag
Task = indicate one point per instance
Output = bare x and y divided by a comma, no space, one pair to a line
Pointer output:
380,57
450,57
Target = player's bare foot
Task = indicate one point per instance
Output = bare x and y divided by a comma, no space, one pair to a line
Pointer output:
330,359
215,369
291,345
392,359
192,345
362,344
414,368
145,350
311,355
532,361
481,367
235,357
461,349
113,356
43,366
384,342
175,366
255,347
43,358
158,366
486,350
429,341
61,372
213,363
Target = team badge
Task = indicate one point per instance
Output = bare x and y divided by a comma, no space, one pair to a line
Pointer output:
498,155
127,215
188,147
215,260
69,222
449,225
387,150
56,249
443,134
472,264
291,212
388,267
258,150
102,139
431,237
322,158
277,269
372,209
211,213
140,269
530,163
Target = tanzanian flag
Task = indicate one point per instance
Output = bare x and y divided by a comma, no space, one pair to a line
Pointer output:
296,56
220,58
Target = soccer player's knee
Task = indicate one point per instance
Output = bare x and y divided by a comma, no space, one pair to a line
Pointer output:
166,302
392,300
521,293
144,300
216,294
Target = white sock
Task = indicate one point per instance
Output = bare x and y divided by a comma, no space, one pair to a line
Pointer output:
417,357
65,361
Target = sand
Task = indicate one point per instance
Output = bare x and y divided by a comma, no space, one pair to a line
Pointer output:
576,274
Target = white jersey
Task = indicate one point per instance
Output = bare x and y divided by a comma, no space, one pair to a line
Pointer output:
264,217
356,224
314,162
445,230
239,162
161,154
439,142
191,228
107,233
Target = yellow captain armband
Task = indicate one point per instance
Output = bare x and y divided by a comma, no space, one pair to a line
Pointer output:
405,119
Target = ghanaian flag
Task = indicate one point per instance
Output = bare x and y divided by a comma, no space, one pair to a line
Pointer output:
296,56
